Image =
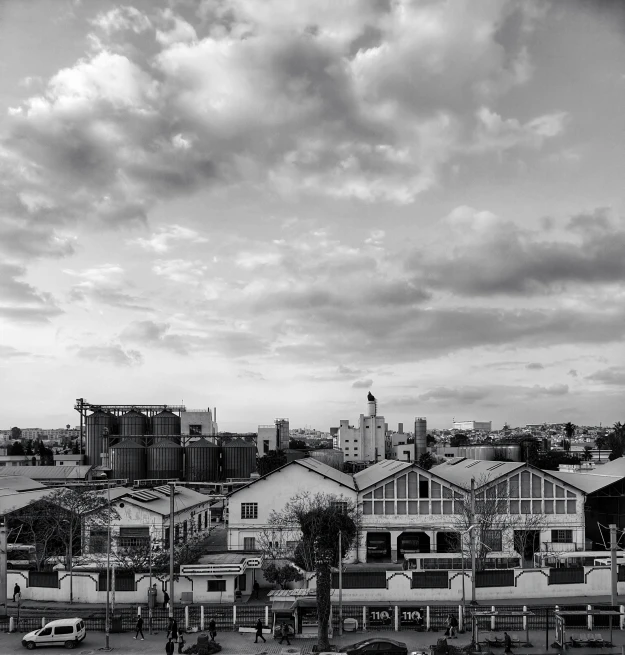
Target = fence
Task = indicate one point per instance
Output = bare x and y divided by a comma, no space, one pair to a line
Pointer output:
48,579
376,618
361,580
494,578
566,576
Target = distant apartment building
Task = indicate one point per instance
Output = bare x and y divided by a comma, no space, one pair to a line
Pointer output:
367,442
273,437
473,426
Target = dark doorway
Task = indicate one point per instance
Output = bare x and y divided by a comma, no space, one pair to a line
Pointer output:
378,546
412,542
526,543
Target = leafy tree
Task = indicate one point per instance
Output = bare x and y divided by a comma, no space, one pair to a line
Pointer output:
459,439
587,456
75,449
273,460
281,574
28,451
297,444
317,520
566,445
431,440
16,449
16,433
426,461
551,460
615,441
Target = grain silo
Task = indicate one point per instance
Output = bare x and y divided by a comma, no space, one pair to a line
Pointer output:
420,436
100,424
239,459
132,423
165,424
202,461
127,460
164,460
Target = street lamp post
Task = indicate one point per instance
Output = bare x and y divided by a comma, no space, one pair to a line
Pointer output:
107,646
464,605
340,584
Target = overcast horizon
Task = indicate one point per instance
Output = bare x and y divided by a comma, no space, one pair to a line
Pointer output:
272,208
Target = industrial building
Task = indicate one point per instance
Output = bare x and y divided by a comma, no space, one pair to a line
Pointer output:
472,426
273,437
160,442
367,442
488,452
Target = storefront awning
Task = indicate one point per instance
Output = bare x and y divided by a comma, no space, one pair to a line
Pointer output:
283,605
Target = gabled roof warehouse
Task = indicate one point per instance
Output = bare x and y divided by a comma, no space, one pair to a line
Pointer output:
378,472
46,472
595,479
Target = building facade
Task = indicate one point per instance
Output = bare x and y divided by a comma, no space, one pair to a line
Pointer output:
367,441
481,426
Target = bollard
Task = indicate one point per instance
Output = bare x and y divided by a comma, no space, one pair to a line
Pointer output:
492,619
202,618
589,608
138,610
267,615
234,615
427,618
460,619
396,618
364,618
43,621
524,618
622,617
186,618
11,624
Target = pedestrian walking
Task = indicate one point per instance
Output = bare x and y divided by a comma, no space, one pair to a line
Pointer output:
181,642
453,627
139,627
172,629
507,642
169,647
165,600
285,633
16,591
212,629
256,588
259,631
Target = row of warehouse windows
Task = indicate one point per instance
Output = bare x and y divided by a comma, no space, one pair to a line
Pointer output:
456,507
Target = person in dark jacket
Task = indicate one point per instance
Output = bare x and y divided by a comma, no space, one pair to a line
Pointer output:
139,628
285,633
16,591
259,631
256,588
172,629
212,629
169,647
507,642
165,600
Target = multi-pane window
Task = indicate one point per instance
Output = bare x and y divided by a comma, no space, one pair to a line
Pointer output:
195,430
133,537
97,540
562,536
249,543
532,494
492,540
409,494
249,510
216,585
340,506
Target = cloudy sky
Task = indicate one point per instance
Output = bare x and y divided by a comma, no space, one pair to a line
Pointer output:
273,207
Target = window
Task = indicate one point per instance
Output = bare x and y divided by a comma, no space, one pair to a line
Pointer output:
199,522
184,532
492,539
97,540
424,489
45,632
133,537
249,543
64,630
249,510
195,430
265,446
562,536
176,534
206,519
216,585
340,506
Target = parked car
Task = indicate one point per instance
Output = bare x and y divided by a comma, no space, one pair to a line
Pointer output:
376,646
66,632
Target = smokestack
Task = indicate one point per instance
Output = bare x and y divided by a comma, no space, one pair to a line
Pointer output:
215,414
420,436
372,405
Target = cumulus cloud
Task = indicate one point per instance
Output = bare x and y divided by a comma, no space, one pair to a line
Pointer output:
111,354
105,284
465,395
612,376
167,237
362,384
22,302
534,366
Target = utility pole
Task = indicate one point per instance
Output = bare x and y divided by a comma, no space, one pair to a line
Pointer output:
614,567
472,542
172,506
340,584
3,567
107,620
71,560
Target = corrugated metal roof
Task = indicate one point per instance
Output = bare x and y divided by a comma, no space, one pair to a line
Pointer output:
17,483
18,500
46,472
378,472
184,499
591,481
327,471
460,472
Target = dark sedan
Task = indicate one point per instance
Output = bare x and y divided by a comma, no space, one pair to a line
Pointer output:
376,646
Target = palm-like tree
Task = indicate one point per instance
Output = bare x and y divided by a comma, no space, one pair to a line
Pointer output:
569,430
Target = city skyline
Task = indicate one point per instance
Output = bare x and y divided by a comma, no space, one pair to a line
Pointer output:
273,211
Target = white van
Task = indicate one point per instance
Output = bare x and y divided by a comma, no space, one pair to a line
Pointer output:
69,632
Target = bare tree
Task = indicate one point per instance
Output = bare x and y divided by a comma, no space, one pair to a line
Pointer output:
317,520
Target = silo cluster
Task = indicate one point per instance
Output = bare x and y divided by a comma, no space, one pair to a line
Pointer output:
142,447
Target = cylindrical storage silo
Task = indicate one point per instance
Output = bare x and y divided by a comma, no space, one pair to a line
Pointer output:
99,424
420,436
132,423
127,460
239,459
164,460
165,424
202,461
